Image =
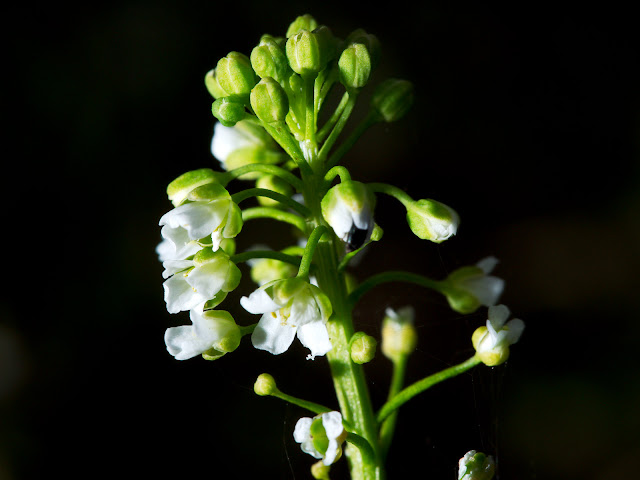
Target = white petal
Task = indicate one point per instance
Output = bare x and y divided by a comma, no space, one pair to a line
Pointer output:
271,335
182,245
228,139
315,337
498,315
172,267
304,308
208,279
183,343
179,295
165,250
332,423
486,289
259,302
487,264
340,219
514,331
301,432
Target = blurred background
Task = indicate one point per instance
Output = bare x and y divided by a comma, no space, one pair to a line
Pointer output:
526,121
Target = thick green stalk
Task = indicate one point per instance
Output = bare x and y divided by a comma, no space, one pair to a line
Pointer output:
389,424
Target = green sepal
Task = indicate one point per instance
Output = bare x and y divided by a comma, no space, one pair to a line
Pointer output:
213,86
179,189
319,435
368,40
284,290
230,110
269,101
354,66
268,59
303,22
216,300
231,334
392,99
265,270
208,193
460,300
309,52
234,222
428,219
275,184
235,74
228,245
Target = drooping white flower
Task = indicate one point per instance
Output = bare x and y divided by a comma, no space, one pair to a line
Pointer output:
212,331
193,282
432,220
211,212
467,288
348,209
290,307
492,342
476,466
321,436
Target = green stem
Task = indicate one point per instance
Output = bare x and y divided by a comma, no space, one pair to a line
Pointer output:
268,169
366,451
337,129
307,257
421,385
331,121
283,257
392,191
388,426
265,192
362,127
340,171
276,214
280,133
311,406
393,276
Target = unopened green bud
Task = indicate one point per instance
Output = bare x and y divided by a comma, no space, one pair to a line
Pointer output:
399,336
362,348
179,189
303,22
214,88
269,60
208,193
265,270
354,66
269,101
368,40
229,110
275,184
320,471
248,155
431,220
235,75
309,52
392,99
476,466
265,385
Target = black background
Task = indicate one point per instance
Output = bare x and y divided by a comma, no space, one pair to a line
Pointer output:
526,121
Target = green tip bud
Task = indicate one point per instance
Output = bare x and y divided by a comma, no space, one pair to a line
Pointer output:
354,66
399,336
303,22
476,466
229,110
269,60
392,99
275,184
362,348
235,75
431,220
213,87
368,40
265,385
179,189
269,101
309,52
320,471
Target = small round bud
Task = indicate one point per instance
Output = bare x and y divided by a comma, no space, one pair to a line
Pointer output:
320,471
179,189
309,52
269,101
303,22
229,110
269,60
235,75
476,466
392,99
368,40
275,184
399,336
265,385
362,348
431,220
213,87
354,66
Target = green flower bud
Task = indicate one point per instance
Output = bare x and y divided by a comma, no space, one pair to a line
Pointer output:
265,385
179,189
213,87
392,99
208,192
399,336
354,66
269,101
229,110
235,75
249,155
431,220
275,184
476,466
265,270
368,40
269,60
309,52
320,471
303,22
362,348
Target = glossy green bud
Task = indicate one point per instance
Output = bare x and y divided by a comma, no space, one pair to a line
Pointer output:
354,66
392,99
368,40
208,192
309,52
229,110
235,75
432,220
265,385
275,184
362,348
213,87
303,22
269,101
320,471
179,189
268,59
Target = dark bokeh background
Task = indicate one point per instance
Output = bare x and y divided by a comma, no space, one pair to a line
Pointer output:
526,121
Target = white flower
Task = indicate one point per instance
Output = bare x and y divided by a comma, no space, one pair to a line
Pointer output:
492,342
469,287
193,282
290,307
213,329
321,436
432,220
348,209
476,466
213,213
227,140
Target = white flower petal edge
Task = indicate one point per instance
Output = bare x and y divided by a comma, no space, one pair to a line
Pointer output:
188,341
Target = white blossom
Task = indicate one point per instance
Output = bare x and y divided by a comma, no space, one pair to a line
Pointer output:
492,342
321,436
